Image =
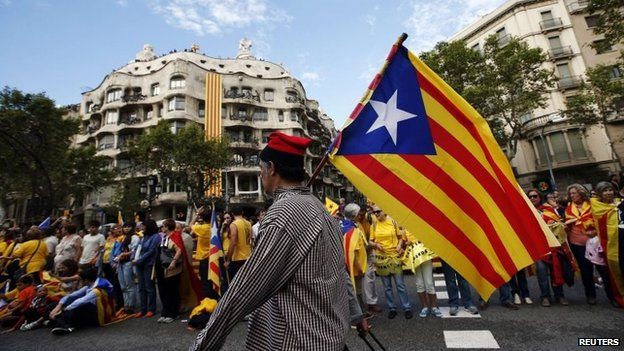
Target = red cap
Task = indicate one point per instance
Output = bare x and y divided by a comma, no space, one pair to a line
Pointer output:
288,143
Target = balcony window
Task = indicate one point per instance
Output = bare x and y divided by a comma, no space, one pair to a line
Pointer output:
602,46
592,21
177,82
246,92
149,113
280,116
261,114
576,144
223,112
616,72
201,108
292,96
113,95
88,107
476,47
559,147
242,114
177,103
106,142
177,126
265,135
248,182
294,116
155,89
123,164
112,117
159,110
268,95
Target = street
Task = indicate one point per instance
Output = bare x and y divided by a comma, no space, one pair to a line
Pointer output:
532,327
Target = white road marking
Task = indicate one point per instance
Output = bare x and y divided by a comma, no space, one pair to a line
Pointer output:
470,339
461,314
442,295
439,283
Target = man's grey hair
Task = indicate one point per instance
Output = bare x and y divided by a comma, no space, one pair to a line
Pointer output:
351,211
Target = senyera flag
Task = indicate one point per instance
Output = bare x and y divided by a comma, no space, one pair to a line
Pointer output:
216,252
423,154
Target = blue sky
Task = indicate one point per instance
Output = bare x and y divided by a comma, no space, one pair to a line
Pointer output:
334,47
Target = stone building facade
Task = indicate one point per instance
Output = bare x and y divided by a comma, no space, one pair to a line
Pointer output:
259,97
562,28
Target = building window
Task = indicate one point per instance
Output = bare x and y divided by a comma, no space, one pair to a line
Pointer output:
602,46
554,42
616,72
177,103
160,109
113,95
123,164
201,108
268,95
88,107
177,126
294,116
242,113
223,112
265,135
177,82
280,116
112,117
476,47
155,89
149,114
261,114
247,182
106,142
292,96
564,70
559,147
576,144
592,21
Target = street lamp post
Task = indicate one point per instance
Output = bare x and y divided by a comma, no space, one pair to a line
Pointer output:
547,153
151,190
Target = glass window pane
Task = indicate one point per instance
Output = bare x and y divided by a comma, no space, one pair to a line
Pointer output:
557,141
576,143
541,150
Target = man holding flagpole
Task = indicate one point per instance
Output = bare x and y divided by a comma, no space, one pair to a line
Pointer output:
295,282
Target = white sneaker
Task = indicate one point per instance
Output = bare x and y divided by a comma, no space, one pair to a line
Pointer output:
161,320
167,320
528,301
517,300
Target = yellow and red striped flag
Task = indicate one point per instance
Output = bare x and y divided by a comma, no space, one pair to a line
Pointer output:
331,206
420,152
212,126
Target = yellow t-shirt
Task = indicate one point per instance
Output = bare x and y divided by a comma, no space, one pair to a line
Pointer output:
3,246
243,244
9,250
25,250
203,240
386,234
108,248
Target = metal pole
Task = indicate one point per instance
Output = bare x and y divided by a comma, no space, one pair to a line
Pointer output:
547,152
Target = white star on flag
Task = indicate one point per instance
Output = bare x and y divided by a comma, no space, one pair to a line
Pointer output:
389,116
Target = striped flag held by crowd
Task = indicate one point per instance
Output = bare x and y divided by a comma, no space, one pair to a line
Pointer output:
216,252
426,157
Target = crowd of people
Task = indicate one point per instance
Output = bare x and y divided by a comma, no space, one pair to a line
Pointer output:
64,279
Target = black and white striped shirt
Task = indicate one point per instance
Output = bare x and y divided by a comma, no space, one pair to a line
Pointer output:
294,282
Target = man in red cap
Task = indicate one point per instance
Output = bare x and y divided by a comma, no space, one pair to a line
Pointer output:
295,282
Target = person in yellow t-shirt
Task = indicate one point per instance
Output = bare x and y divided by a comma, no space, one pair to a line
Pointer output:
240,243
388,243
200,225
33,247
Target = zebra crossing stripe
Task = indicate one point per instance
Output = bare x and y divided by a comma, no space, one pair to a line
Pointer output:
470,339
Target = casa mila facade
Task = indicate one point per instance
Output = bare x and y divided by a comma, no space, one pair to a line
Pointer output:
259,97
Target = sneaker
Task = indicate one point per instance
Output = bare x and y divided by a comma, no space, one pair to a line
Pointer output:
149,315
62,331
409,314
517,300
511,306
528,301
436,312
30,326
483,305
453,310
160,320
472,309
392,314
563,302
167,320
545,302
424,312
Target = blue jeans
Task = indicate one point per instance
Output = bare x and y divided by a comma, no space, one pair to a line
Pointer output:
125,275
505,293
147,289
544,283
400,286
519,285
456,285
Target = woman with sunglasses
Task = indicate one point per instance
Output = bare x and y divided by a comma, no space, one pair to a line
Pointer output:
388,244
559,262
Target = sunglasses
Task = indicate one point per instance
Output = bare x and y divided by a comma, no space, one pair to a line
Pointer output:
533,196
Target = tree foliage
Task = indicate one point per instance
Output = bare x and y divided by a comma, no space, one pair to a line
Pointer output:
184,157
610,19
36,158
503,82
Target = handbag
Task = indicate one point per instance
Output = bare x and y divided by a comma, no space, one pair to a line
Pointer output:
22,269
166,255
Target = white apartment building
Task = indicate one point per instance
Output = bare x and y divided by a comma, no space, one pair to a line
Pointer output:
577,153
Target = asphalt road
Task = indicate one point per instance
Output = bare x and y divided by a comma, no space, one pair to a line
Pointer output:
532,327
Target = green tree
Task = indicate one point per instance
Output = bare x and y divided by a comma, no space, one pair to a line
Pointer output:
597,100
610,20
185,157
36,157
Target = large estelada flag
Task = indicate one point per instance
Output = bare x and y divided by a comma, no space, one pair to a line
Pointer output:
216,252
424,155
331,206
